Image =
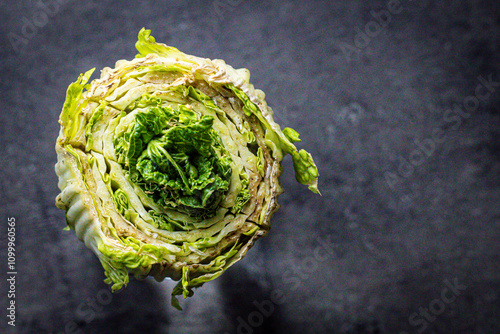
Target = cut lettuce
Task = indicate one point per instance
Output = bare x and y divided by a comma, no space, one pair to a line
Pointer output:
169,166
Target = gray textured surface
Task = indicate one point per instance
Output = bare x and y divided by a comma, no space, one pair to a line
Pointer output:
392,248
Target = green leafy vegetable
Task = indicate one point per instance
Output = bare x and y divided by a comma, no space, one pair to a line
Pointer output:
168,166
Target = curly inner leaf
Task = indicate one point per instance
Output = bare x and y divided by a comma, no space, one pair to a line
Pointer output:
176,158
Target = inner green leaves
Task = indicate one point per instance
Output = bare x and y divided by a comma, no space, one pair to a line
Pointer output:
175,156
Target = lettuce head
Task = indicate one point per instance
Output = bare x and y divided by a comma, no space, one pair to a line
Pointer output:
169,166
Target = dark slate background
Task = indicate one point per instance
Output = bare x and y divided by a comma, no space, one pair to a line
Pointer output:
394,227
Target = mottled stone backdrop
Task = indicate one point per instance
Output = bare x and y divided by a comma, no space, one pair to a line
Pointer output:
398,101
